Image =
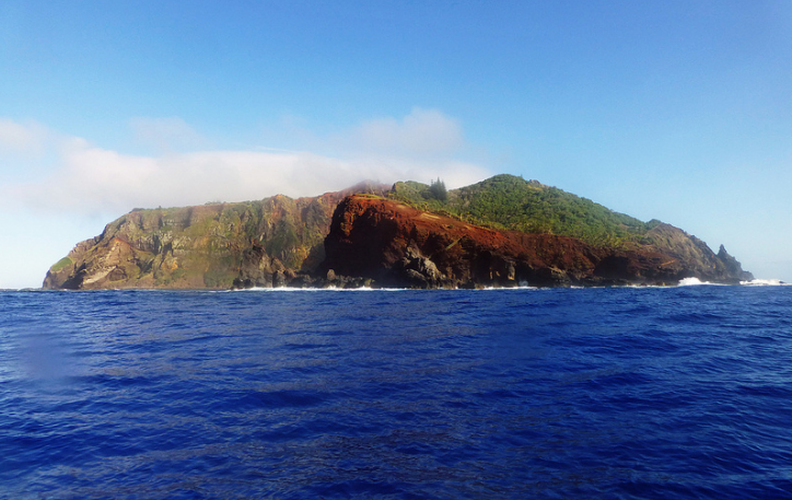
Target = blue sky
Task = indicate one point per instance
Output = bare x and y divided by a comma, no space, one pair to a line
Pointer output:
675,110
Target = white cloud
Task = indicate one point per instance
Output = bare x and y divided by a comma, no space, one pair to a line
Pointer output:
96,179
91,179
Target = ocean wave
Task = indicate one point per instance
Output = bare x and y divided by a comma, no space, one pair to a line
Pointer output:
325,289
756,282
759,282
521,287
693,281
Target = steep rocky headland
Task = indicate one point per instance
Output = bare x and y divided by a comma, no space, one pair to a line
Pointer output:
503,231
259,243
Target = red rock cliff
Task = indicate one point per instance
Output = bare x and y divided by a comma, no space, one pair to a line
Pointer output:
396,245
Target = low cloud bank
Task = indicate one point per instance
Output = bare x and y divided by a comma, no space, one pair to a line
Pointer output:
83,177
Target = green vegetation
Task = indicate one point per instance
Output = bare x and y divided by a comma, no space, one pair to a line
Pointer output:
283,238
438,190
421,196
64,262
509,202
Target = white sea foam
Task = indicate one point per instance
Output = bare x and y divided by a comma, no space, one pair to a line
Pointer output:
765,283
693,281
325,289
690,282
521,287
367,289
757,282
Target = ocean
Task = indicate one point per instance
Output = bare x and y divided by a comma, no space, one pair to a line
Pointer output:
610,393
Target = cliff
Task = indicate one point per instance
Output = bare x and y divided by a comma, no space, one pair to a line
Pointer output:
503,231
259,243
393,244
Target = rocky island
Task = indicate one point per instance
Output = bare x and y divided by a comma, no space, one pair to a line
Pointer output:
504,231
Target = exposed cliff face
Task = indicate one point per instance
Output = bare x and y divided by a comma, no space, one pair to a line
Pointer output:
263,243
693,258
396,245
368,239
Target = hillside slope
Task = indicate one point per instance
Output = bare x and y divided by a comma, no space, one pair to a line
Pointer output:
510,202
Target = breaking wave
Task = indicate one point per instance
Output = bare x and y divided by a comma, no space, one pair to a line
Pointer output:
759,282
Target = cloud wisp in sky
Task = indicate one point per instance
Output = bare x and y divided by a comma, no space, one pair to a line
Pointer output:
424,132
19,138
166,134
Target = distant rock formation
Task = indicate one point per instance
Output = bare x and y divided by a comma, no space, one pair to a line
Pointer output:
405,236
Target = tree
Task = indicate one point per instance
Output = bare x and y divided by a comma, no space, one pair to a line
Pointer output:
438,190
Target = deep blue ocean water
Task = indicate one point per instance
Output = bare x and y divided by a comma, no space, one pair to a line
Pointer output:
554,393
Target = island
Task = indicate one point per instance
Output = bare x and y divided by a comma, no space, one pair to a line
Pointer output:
502,232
